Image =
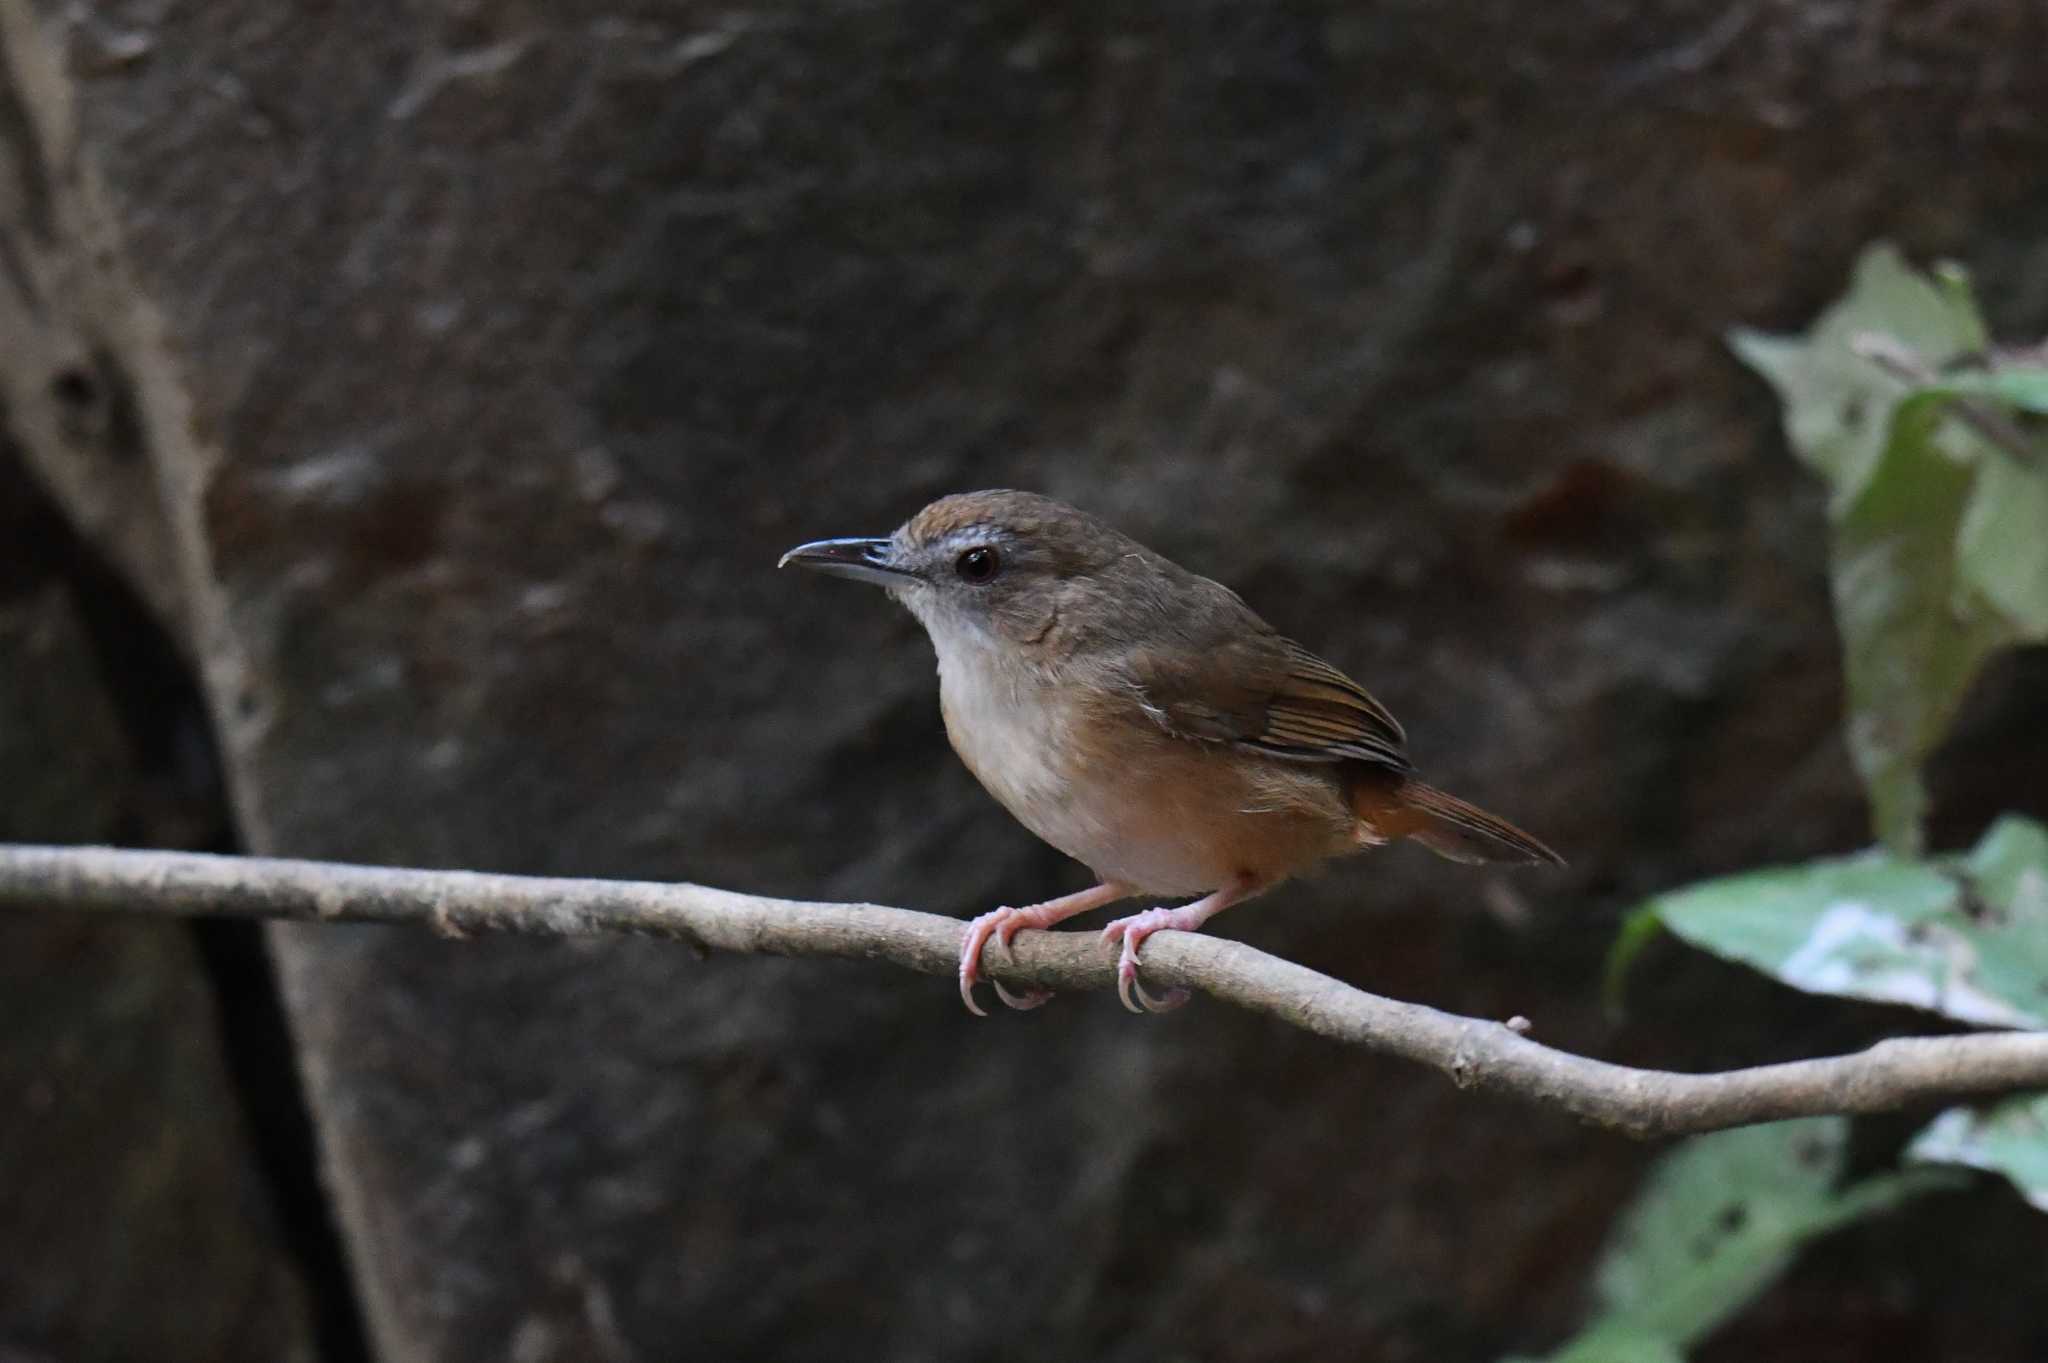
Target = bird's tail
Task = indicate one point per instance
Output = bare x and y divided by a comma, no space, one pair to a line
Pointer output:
1391,806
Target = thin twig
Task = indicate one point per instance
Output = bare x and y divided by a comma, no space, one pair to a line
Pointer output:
1902,362
1475,1053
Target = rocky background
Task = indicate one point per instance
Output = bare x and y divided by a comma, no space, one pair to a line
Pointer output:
409,402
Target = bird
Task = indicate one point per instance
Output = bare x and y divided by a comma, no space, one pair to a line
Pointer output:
1146,722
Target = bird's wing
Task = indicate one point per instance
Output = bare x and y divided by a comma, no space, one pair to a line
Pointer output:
1262,691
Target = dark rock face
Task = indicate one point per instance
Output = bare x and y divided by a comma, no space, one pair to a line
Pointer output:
484,361
134,1222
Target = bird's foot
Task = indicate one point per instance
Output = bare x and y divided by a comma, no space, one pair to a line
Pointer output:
1002,924
1132,932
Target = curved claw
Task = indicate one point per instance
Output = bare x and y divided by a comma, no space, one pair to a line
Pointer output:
1127,980
1132,932
978,933
1024,1002
1000,924
1005,923
1160,1003
1136,997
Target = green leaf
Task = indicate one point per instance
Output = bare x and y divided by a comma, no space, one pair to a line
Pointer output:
2010,867
2021,386
1716,1222
2008,872
1616,1342
1952,281
1638,930
1965,936
1938,557
1913,636
2002,551
2009,1138
1835,400
2002,546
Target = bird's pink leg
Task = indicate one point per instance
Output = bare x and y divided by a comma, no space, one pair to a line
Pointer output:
1005,923
1133,931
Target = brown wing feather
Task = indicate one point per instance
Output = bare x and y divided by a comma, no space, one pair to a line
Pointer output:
1323,714
1265,692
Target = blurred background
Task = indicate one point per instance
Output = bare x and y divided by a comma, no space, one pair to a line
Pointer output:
406,405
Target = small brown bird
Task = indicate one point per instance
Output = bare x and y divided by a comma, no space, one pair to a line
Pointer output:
1145,721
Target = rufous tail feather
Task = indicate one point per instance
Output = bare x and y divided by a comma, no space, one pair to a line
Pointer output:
1390,807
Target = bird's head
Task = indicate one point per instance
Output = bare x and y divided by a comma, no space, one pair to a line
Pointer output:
982,567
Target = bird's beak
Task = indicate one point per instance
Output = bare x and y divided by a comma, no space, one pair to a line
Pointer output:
868,560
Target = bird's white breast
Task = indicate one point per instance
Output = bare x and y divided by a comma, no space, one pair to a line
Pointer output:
1017,730
1009,727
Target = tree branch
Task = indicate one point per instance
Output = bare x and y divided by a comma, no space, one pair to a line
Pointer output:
1475,1053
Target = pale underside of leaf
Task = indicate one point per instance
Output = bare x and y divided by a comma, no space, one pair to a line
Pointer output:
2008,1138
1966,937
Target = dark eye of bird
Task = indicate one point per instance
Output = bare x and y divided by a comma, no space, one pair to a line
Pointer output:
978,564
